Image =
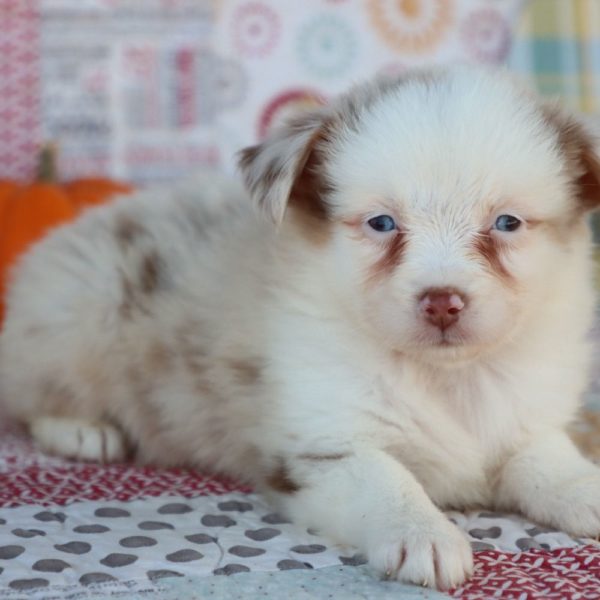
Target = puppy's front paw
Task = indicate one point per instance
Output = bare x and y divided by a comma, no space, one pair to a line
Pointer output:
436,554
575,506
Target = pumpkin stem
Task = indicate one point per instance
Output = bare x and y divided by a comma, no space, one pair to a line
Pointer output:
46,169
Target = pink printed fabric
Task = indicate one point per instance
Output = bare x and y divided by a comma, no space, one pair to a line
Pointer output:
27,476
564,574
20,110
154,90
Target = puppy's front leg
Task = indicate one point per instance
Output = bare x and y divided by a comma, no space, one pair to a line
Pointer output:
369,500
550,482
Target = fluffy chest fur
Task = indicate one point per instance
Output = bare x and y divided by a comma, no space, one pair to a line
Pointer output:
452,426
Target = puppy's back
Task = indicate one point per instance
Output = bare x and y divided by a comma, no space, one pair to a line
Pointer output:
94,296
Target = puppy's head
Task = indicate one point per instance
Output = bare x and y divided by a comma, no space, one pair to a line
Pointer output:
447,208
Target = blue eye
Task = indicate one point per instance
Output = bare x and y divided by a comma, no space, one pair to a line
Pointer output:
382,223
507,223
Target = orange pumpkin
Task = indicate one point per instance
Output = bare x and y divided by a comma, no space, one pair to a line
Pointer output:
29,211
7,188
92,191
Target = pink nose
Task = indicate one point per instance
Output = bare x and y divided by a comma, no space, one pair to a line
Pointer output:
442,306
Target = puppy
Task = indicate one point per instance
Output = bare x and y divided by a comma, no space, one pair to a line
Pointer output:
405,332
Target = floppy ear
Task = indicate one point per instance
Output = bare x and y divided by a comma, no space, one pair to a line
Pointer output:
285,167
579,140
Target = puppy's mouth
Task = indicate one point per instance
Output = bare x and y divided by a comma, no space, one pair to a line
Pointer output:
448,338
450,346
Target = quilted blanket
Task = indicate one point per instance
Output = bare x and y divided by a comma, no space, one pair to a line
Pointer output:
76,530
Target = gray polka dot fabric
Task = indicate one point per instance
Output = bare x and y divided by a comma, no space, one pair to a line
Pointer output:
114,544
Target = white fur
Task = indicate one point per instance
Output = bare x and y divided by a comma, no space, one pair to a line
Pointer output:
266,354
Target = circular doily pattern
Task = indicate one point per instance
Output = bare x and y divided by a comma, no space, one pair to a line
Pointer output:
284,105
486,35
326,46
411,25
229,82
256,29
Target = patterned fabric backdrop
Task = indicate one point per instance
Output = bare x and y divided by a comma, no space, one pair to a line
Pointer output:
557,45
153,89
295,53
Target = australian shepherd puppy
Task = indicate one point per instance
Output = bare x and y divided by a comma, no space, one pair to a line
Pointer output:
400,328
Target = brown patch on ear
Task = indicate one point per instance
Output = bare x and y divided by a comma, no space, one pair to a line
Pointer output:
246,158
307,204
286,172
280,481
489,249
310,187
583,160
390,259
589,182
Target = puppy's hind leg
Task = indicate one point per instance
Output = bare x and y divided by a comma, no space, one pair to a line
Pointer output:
79,439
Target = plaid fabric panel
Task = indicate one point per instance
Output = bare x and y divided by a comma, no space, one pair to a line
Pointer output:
557,45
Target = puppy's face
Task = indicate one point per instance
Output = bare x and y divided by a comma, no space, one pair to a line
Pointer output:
444,206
